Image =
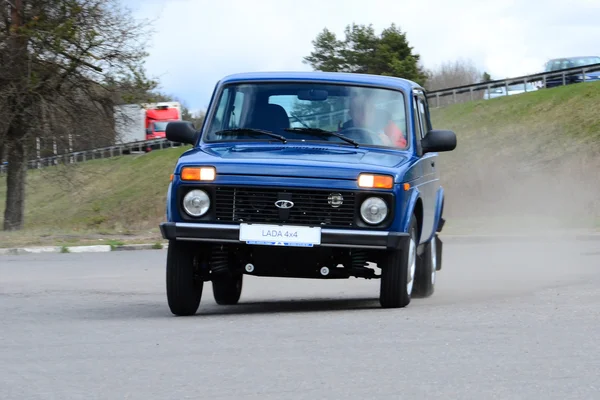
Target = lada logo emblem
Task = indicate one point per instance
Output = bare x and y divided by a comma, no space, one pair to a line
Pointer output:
284,204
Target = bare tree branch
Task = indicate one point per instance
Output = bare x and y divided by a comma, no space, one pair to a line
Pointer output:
65,64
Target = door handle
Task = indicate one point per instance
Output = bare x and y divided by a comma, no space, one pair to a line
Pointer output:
433,164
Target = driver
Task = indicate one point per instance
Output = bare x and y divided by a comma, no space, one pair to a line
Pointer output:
363,115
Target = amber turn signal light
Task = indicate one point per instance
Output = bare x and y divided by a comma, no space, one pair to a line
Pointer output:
198,174
375,181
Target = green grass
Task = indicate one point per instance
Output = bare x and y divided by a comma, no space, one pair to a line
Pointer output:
546,123
122,200
110,201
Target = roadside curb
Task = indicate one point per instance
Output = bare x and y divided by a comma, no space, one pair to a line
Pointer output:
80,249
146,246
56,249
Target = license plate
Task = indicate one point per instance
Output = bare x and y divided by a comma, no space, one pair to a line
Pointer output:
280,235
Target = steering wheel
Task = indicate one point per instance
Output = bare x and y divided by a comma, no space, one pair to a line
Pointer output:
362,135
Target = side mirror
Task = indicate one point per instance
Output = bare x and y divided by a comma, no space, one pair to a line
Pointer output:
148,131
438,141
181,132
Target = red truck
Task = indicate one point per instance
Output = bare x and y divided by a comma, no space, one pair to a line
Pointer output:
158,116
139,122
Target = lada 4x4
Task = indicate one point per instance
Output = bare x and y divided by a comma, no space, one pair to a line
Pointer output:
306,175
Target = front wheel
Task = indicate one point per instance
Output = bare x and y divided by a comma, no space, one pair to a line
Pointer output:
398,273
184,283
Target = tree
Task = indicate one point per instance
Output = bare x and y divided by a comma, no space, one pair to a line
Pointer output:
452,74
362,51
65,63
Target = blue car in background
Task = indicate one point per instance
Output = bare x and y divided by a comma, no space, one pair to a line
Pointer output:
306,175
571,62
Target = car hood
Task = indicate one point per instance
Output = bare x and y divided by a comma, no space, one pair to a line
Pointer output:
310,161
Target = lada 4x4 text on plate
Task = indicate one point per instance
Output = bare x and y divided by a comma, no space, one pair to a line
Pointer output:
306,175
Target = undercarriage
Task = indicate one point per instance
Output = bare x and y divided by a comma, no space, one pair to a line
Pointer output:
318,263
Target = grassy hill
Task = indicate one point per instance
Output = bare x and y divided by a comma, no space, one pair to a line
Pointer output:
522,161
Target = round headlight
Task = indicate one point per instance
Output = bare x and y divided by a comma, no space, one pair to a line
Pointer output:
373,210
196,203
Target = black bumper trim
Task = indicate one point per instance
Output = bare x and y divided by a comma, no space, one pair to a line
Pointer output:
224,233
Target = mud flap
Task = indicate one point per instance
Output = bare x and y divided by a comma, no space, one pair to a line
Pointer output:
441,224
438,250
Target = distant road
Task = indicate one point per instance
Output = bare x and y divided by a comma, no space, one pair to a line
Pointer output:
508,321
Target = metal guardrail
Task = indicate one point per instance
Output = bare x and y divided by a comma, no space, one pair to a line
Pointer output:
542,77
112,151
99,153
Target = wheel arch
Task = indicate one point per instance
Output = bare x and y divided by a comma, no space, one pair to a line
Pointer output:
439,211
415,206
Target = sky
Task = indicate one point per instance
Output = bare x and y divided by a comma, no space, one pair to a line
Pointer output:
197,42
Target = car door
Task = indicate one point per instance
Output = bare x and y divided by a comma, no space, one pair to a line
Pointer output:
428,161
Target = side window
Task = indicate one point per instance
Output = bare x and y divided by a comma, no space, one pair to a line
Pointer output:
217,123
418,118
424,116
228,115
236,112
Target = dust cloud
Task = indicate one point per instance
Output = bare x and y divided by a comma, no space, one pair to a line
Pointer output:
521,182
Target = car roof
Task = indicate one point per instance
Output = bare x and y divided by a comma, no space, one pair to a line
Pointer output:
330,77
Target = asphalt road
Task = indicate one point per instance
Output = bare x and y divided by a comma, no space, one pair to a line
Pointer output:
508,321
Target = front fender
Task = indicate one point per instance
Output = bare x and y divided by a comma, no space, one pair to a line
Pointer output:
439,210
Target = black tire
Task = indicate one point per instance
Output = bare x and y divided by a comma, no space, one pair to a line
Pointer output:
228,289
426,270
184,285
395,273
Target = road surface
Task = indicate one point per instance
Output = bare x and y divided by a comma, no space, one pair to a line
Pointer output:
508,321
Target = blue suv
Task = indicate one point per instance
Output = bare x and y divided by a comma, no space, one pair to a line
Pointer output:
306,175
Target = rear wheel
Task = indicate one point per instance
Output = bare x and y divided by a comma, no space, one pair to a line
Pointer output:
228,289
184,283
398,273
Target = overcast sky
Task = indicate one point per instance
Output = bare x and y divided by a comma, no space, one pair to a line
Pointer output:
196,42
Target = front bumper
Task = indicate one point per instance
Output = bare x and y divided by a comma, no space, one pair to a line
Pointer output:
226,233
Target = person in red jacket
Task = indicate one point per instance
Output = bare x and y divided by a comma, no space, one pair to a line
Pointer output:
363,114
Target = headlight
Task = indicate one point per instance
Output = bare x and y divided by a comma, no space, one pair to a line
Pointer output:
196,203
373,210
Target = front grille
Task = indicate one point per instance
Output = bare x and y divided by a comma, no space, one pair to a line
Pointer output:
311,207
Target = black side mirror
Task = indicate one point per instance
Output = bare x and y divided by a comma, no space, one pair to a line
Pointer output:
148,131
438,141
181,132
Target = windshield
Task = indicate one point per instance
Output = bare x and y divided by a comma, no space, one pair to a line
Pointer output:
160,126
311,112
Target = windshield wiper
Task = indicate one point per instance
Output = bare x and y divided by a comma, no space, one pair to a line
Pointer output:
322,132
250,131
